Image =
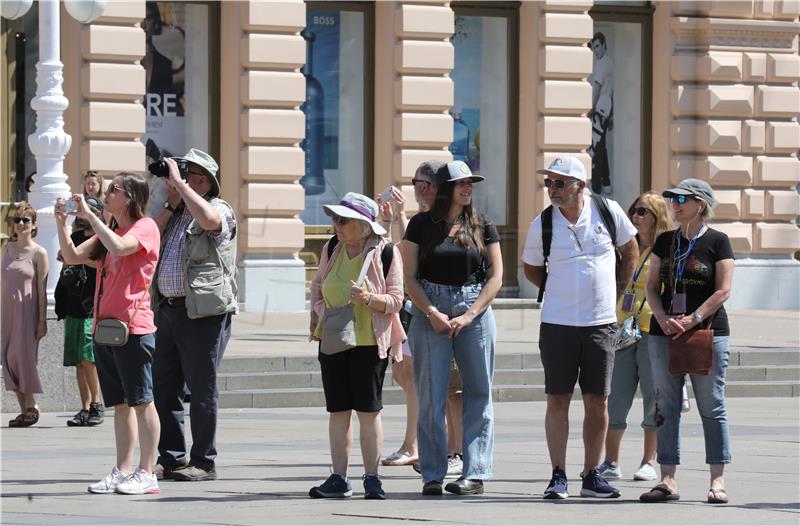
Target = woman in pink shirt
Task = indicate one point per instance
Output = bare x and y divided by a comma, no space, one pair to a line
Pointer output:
125,253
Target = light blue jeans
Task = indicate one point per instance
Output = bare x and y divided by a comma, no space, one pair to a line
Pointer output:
473,349
709,394
631,368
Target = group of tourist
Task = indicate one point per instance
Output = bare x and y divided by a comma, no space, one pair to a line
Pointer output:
148,305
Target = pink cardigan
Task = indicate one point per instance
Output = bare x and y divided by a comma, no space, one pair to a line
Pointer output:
389,332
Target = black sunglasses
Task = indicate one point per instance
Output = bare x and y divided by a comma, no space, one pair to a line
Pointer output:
558,183
640,211
415,182
114,187
339,220
680,199
23,220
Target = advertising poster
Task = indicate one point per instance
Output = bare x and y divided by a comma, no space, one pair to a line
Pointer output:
334,109
616,113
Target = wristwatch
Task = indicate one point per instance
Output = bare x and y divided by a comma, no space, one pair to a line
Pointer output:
167,206
697,317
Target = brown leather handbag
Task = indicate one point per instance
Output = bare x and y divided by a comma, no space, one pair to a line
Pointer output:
692,352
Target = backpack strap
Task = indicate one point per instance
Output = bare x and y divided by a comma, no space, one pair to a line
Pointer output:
602,206
547,238
386,255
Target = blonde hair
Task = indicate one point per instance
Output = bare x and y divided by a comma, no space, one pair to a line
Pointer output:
25,209
708,213
658,205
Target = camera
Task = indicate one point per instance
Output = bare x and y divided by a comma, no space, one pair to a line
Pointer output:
67,207
160,168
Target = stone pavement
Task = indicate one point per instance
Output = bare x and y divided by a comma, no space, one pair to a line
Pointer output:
269,458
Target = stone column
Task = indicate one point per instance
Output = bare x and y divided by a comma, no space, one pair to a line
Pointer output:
733,106
554,100
413,90
262,125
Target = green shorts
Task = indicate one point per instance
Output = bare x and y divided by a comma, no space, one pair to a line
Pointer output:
78,341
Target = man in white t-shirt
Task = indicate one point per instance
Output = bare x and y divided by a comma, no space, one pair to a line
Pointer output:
578,316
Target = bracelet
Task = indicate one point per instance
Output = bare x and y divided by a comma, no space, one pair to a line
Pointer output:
430,312
369,299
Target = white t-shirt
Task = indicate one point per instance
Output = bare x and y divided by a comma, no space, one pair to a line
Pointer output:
581,288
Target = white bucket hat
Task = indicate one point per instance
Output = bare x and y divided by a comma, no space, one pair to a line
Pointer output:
359,207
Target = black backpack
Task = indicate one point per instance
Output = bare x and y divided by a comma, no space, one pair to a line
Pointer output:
386,255
547,234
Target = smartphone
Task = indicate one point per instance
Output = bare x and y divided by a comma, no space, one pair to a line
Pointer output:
68,207
386,196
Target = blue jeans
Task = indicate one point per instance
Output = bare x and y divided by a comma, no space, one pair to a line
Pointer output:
709,394
473,349
631,368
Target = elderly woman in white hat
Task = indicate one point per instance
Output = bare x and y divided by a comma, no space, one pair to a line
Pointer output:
355,297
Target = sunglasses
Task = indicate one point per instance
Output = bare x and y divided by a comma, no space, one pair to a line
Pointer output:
415,182
558,183
23,220
680,199
114,188
640,211
339,220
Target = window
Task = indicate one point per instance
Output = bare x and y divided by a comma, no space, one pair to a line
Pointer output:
337,94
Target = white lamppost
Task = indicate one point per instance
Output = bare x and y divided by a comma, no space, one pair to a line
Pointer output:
49,143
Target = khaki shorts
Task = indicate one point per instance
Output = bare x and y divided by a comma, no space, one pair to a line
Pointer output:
454,385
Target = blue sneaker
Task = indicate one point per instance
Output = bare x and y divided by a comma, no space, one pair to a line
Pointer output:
336,487
609,470
558,485
373,488
594,485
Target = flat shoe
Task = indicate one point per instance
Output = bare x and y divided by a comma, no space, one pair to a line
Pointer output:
659,494
399,458
717,496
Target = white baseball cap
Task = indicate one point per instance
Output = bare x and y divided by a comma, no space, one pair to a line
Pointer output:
358,207
567,166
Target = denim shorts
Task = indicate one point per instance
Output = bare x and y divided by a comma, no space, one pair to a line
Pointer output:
126,372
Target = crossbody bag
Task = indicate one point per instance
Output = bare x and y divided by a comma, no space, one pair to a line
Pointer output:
111,332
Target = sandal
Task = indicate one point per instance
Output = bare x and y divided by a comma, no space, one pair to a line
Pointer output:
25,419
717,496
659,494
399,458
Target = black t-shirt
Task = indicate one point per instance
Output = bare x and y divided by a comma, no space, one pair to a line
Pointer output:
699,276
446,262
74,293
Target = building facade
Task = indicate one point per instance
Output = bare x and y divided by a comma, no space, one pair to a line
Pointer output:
302,102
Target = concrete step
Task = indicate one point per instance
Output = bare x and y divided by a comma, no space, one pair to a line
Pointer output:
744,356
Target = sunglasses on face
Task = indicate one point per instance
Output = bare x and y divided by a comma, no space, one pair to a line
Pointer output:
420,182
114,188
339,220
557,183
640,211
23,220
680,199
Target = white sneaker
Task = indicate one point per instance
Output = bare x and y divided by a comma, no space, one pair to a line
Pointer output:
139,482
646,472
109,483
455,466
609,471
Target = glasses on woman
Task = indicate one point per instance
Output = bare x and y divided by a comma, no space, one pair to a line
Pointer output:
558,183
420,182
640,211
339,220
23,220
680,199
114,188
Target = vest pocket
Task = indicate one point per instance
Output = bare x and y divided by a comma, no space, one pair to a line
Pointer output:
207,290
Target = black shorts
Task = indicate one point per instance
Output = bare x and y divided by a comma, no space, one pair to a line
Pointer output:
126,373
353,379
582,354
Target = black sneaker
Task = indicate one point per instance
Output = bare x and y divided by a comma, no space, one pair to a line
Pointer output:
558,485
373,488
80,419
594,485
336,487
96,415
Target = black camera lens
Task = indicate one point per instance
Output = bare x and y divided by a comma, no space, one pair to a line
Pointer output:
160,168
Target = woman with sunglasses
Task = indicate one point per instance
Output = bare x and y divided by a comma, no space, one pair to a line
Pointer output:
352,378
125,253
24,314
649,215
453,270
691,272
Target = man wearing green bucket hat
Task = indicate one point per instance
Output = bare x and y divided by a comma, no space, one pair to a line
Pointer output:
194,295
